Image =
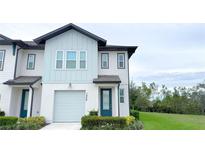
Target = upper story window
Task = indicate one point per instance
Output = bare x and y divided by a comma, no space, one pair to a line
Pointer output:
82,59
31,61
104,60
122,99
2,55
121,60
71,59
59,60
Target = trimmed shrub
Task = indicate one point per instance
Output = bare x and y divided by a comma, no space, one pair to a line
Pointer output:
33,120
4,121
135,114
105,123
93,113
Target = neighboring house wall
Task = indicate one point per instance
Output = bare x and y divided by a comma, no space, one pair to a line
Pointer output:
6,74
70,41
123,74
22,63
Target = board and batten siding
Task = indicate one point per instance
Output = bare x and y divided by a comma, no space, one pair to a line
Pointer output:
70,41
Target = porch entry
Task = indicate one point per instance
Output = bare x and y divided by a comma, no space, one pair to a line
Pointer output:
106,102
24,103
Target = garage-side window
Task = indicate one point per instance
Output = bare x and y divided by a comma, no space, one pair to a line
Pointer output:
70,59
122,97
2,55
59,60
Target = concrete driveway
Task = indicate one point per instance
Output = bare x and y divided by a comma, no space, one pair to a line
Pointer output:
62,126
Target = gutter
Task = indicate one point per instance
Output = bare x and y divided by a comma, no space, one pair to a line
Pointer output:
16,62
32,94
118,101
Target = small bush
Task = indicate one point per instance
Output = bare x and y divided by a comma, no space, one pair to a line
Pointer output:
2,113
137,125
93,113
4,121
105,123
135,114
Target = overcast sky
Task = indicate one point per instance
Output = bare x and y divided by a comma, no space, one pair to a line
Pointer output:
173,54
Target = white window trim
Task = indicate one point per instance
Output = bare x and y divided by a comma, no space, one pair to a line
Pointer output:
85,60
77,60
122,95
3,59
56,60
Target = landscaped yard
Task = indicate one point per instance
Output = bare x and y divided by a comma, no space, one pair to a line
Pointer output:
164,121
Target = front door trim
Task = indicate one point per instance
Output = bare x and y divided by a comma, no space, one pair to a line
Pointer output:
106,112
23,112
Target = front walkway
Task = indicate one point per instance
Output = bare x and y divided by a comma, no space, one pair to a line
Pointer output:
62,126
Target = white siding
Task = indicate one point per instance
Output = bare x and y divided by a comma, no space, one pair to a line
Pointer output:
123,74
48,90
22,63
6,74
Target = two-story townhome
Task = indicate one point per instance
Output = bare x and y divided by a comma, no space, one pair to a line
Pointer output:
63,75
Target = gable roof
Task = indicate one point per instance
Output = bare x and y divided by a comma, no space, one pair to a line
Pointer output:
42,39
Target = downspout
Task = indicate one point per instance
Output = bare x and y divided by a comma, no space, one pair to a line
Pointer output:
32,94
118,100
16,62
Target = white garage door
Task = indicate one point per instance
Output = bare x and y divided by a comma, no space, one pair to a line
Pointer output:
69,106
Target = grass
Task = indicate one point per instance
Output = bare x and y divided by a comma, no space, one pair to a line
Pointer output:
164,121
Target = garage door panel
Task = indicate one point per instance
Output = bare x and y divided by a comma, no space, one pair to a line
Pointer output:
69,106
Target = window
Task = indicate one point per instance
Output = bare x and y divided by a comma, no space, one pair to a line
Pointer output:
104,60
121,60
71,60
121,95
31,61
59,60
82,60
2,55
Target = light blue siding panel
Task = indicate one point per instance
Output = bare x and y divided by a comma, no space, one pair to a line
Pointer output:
75,41
69,106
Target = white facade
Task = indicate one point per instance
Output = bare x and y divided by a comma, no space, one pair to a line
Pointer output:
41,98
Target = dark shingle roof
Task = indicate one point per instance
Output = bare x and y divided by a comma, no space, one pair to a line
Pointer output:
43,38
107,79
23,80
131,49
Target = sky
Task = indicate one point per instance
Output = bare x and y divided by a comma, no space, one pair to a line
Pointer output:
170,54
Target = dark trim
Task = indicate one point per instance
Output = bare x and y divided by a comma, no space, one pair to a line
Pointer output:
4,55
108,60
117,60
42,39
110,99
106,82
11,82
130,49
34,62
128,68
32,94
16,62
118,100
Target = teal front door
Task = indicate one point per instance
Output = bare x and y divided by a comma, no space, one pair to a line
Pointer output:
24,103
106,102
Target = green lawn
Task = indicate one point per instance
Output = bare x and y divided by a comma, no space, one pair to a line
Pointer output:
164,121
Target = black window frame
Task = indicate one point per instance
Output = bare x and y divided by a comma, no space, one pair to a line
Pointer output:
27,67
118,60
102,61
4,53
